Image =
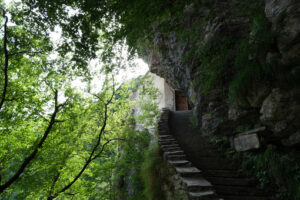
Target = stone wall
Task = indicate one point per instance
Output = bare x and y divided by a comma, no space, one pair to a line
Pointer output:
173,187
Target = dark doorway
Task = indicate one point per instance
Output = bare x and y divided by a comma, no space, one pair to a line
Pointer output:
181,101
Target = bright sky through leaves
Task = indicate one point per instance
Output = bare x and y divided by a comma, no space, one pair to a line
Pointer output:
139,68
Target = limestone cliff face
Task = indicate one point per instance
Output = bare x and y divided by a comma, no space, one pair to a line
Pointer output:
273,105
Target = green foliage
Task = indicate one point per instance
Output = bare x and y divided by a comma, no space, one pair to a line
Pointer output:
145,112
214,60
85,23
146,108
276,169
154,172
56,142
128,169
74,138
249,64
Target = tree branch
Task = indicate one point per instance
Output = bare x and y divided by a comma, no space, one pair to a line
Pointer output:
27,161
92,155
5,70
104,145
55,179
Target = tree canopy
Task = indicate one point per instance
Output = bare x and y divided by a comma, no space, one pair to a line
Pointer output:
56,141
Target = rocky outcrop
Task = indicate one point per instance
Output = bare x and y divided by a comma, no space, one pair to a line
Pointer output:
273,103
280,111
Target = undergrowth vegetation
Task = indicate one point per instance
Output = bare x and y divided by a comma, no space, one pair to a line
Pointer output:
128,173
142,171
154,171
275,169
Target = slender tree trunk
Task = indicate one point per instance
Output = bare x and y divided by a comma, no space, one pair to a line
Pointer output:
5,70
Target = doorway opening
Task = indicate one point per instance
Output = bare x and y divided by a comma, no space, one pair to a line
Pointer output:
181,102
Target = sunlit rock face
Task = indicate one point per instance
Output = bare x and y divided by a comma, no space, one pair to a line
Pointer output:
273,105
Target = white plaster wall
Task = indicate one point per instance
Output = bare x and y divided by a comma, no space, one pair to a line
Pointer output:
166,97
158,83
169,97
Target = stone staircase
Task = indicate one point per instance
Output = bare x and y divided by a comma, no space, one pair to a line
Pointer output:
198,188
202,169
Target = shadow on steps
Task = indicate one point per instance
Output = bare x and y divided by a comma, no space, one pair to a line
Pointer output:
225,176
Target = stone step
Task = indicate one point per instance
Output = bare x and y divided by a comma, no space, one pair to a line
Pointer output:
171,149
226,197
176,157
207,152
238,191
169,145
179,162
166,139
163,124
231,181
165,136
222,173
163,133
188,171
192,182
167,142
203,195
195,184
162,120
178,152
209,163
163,128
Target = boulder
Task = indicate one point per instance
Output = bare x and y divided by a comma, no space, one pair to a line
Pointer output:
273,8
246,141
209,123
257,94
292,140
285,18
280,112
236,112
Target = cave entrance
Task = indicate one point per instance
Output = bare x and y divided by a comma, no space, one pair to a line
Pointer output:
181,101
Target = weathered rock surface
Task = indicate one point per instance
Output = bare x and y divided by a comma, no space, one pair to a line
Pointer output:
280,112
292,140
245,142
274,105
